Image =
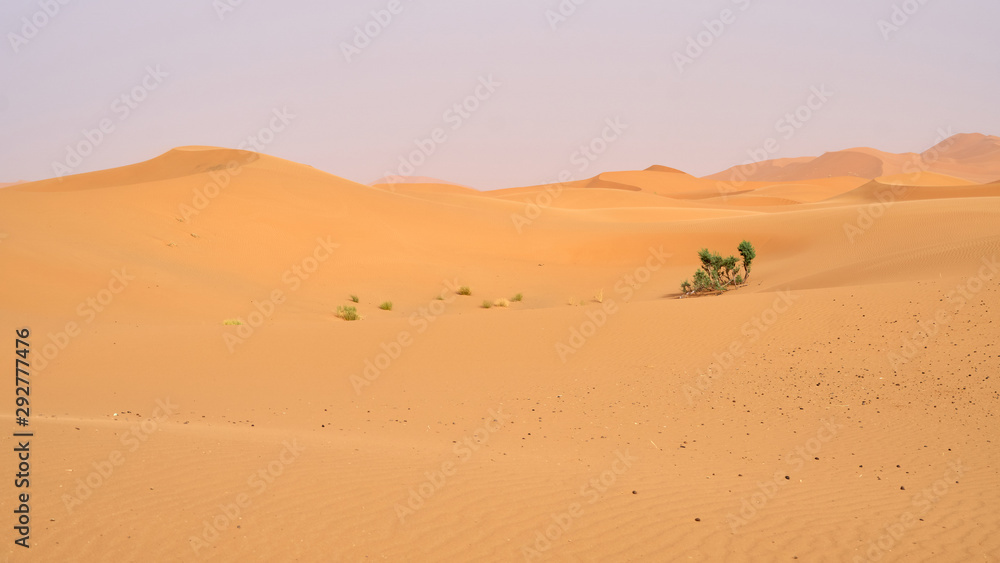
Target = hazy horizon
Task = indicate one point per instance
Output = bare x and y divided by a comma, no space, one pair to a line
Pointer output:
536,85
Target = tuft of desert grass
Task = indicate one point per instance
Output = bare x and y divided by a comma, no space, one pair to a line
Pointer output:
465,290
354,298
487,304
500,302
232,322
348,313
386,306
600,296
517,298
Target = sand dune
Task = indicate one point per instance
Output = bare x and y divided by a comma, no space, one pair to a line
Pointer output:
924,179
971,157
576,424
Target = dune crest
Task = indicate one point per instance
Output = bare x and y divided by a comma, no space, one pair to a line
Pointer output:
973,157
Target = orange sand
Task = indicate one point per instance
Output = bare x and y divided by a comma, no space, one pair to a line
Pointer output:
821,427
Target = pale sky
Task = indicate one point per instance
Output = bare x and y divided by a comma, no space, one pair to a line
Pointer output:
193,74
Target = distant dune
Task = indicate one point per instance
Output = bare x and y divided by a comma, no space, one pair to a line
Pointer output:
392,180
972,157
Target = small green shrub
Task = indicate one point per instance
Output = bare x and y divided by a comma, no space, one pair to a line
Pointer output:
501,302
718,273
465,290
748,253
348,313
517,298
354,298
487,304
386,306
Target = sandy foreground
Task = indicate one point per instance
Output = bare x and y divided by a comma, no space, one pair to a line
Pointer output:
840,407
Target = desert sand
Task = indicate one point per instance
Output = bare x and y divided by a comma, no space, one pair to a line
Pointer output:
839,407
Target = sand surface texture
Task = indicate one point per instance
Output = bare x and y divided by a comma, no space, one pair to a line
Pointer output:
842,406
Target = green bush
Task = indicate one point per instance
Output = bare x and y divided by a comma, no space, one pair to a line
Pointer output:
354,298
464,290
517,298
718,273
702,282
748,253
386,306
348,313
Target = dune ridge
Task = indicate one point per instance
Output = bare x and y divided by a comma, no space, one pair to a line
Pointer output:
968,156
